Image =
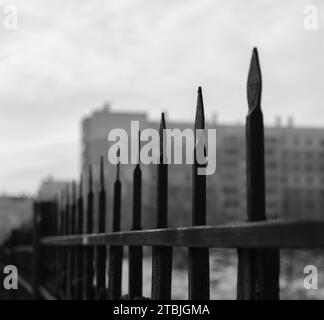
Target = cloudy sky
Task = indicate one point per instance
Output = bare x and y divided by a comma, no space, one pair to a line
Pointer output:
68,57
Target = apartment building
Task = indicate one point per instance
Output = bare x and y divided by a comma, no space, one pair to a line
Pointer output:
294,161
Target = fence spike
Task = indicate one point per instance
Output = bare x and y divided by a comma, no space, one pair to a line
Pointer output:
254,83
67,193
102,173
90,178
81,250
200,114
258,270
116,252
139,147
162,127
63,249
73,191
162,256
68,249
135,253
118,165
73,250
89,290
81,186
198,258
101,250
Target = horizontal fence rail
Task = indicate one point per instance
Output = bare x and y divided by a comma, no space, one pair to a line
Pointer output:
270,234
61,257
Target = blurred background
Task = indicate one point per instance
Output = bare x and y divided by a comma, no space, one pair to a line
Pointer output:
71,71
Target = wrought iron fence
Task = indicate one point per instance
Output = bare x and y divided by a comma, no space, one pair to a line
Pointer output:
62,262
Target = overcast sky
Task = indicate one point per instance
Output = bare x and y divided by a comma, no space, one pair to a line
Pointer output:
68,57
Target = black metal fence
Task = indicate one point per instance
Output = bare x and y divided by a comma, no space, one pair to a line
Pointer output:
61,262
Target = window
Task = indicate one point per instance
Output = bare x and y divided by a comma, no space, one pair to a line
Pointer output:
231,151
310,180
230,204
296,141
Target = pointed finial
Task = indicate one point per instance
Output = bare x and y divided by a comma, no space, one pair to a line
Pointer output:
118,164
62,198
139,147
90,178
67,194
102,173
73,191
81,186
162,142
200,114
56,198
162,123
254,82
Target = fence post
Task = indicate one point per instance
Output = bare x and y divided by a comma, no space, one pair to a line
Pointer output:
58,249
63,252
36,263
101,250
74,251
89,270
135,273
199,257
258,269
50,252
116,252
162,256
12,257
80,249
68,249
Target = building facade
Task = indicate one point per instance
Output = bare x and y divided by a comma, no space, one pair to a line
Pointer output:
294,168
294,162
15,211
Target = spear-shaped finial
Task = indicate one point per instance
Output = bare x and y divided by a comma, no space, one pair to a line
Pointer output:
62,198
102,173
139,147
162,123
200,114
162,127
81,186
254,82
73,191
90,177
118,164
67,194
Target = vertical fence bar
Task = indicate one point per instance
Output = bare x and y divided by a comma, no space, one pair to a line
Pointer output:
89,270
80,249
44,253
74,264
101,250
58,249
13,261
36,264
258,269
51,211
116,252
68,248
162,256
199,257
62,249
135,273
